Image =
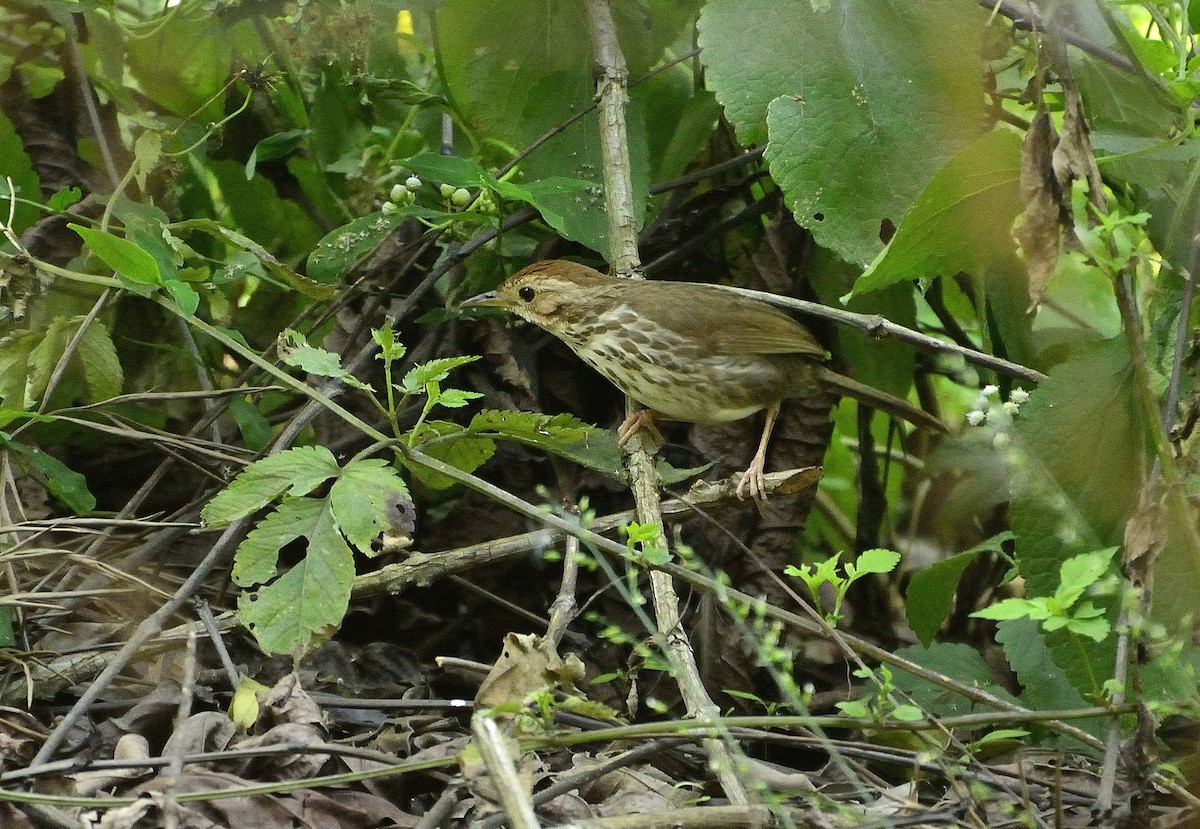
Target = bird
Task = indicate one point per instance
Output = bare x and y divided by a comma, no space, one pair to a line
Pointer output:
686,351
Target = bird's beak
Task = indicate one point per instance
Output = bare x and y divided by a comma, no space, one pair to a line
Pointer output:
488,300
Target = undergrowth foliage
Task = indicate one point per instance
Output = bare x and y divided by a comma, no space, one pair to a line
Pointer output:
235,241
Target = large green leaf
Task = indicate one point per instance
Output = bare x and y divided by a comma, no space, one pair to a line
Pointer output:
297,471
307,603
961,221
517,100
859,102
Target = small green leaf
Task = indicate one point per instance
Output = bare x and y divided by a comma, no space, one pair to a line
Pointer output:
875,561
907,713
455,170
456,399
272,147
255,429
185,296
64,483
1015,609
1080,572
123,256
295,351
64,198
432,372
297,471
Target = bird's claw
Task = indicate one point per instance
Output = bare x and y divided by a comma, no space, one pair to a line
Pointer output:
641,419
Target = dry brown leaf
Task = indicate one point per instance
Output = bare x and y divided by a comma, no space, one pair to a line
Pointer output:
527,665
1040,230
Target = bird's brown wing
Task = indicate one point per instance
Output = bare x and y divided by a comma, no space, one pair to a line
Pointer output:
724,323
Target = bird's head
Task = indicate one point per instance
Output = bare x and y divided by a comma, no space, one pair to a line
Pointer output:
555,295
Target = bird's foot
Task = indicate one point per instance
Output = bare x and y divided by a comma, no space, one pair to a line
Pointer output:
754,480
641,419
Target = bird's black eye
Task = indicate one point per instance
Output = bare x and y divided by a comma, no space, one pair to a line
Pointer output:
526,293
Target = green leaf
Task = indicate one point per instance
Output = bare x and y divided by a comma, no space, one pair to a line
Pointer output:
363,498
452,444
297,471
432,372
101,366
846,93
1015,609
875,561
257,557
454,170
931,591
185,296
456,399
64,198
1081,572
15,163
306,604
123,256
295,351
273,147
1045,685
340,249
961,221
955,660
64,483
255,428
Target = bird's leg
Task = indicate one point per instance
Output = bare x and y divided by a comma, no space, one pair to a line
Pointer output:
641,419
754,473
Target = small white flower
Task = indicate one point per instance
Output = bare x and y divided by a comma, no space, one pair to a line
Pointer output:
412,183
1012,408
989,390
399,193
975,417
1001,439
1018,396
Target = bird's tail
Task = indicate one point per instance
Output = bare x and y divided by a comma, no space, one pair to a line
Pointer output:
881,400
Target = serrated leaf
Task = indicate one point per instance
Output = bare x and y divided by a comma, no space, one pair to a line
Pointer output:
101,366
1045,685
1014,609
955,660
64,483
452,444
1080,572
337,253
876,561
432,372
257,556
44,356
456,398
306,605
362,498
297,471
124,257
295,351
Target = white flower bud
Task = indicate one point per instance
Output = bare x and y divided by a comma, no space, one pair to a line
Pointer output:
975,417
399,192
412,183
1019,396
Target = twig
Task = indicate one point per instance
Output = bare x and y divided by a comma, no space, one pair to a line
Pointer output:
611,81
503,773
